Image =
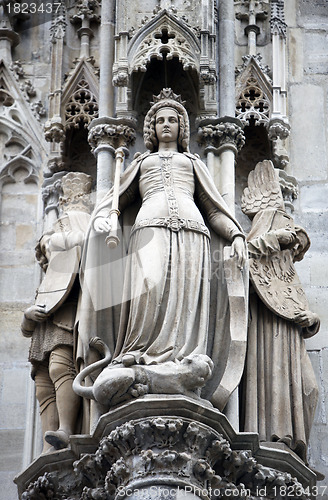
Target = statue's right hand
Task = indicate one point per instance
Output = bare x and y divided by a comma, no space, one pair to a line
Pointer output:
102,225
286,237
36,313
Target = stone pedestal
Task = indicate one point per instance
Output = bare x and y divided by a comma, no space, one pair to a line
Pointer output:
160,447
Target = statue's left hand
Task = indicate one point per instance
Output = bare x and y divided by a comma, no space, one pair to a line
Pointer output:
306,318
36,313
238,249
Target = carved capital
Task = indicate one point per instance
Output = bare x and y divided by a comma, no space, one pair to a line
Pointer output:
121,78
278,129
54,130
113,132
51,191
157,450
207,76
221,132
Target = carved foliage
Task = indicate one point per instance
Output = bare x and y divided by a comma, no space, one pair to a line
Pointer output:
115,135
220,134
277,21
151,451
58,24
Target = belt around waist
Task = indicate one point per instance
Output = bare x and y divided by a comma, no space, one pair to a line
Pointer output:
172,223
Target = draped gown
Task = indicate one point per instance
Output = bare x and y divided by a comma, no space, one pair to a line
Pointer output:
168,273
159,310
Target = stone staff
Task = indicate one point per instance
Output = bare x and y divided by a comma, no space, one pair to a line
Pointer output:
112,240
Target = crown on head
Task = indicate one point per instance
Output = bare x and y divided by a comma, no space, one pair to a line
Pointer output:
166,94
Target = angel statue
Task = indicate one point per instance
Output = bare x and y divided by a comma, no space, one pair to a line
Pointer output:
279,387
155,318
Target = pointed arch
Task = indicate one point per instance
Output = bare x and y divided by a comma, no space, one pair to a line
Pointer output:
79,103
164,34
19,127
253,95
20,162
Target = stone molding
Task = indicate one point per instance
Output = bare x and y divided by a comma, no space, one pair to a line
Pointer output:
158,441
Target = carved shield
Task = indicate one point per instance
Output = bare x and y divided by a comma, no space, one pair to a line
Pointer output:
59,279
275,278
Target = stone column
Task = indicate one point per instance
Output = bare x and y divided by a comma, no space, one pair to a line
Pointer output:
278,127
107,133
226,47
54,127
278,32
85,14
252,11
105,136
222,138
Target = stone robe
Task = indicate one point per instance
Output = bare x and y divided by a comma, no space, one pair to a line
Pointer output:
279,390
163,280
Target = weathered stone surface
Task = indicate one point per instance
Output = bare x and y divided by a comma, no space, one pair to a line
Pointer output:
308,144
318,8
315,52
8,488
295,66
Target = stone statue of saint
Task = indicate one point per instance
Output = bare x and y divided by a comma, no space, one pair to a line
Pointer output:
279,387
50,321
160,341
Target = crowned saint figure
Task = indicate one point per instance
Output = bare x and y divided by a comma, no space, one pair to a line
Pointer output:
149,301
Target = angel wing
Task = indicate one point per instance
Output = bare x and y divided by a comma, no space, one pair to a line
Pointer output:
263,190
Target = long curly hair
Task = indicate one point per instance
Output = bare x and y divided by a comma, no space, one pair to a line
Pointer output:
149,133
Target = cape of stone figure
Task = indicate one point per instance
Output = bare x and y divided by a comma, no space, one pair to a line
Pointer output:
151,305
280,391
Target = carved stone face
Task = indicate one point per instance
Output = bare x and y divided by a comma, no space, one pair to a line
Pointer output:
167,125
